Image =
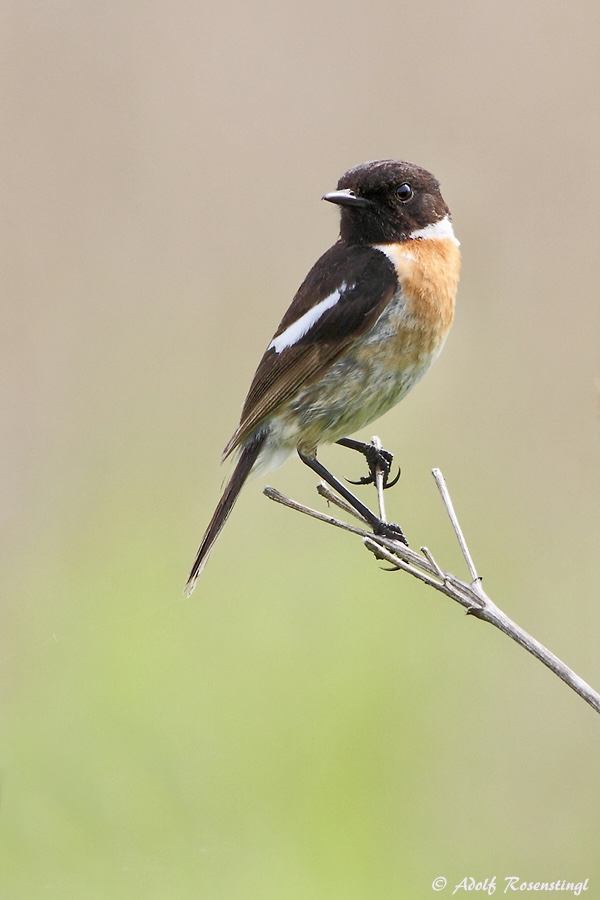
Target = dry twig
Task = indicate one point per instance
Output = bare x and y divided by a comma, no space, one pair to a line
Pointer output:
423,566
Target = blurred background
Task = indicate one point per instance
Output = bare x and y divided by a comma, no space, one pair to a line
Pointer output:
306,725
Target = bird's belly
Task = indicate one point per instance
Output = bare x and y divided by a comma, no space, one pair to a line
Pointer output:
369,379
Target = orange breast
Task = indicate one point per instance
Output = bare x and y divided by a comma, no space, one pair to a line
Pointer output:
429,272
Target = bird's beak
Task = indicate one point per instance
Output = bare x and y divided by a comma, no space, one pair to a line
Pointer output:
346,198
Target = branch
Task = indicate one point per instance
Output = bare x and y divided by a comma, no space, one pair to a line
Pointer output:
423,566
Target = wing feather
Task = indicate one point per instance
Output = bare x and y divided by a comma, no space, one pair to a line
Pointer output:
366,281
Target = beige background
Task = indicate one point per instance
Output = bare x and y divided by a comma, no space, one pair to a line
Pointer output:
305,726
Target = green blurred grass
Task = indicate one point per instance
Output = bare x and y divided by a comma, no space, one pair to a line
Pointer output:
304,726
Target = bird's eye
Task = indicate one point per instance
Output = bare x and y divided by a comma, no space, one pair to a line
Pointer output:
404,193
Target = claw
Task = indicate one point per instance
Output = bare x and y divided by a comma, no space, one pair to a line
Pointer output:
378,460
370,479
388,484
366,479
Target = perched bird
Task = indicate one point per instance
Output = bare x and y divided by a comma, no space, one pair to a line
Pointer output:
365,325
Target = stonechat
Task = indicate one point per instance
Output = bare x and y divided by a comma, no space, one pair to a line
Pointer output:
365,325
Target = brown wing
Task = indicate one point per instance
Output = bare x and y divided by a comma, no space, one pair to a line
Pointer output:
362,281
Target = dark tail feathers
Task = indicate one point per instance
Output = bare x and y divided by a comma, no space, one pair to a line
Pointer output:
248,457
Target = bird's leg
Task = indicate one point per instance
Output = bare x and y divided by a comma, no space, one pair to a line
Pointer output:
377,458
385,529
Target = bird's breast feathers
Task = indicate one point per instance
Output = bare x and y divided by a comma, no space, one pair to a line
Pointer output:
384,309
428,273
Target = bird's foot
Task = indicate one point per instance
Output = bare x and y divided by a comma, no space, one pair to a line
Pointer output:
378,460
389,530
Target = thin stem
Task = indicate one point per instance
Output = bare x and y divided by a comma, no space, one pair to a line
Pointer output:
379,482
425,568
441,483
325,491
274,494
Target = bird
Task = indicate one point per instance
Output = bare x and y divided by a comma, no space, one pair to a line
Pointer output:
365,325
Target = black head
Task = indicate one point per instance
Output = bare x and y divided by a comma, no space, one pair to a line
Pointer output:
386,201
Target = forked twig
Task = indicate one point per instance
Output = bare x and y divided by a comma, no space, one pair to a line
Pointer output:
423,566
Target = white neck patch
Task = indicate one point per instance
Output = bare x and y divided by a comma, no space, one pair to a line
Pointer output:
440,230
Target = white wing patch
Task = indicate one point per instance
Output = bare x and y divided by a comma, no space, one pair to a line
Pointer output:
294,332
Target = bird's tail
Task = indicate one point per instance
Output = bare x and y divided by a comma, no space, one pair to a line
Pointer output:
247,458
